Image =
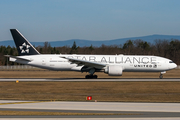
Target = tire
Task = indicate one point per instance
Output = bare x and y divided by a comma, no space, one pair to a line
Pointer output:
87,77
95,76
161,76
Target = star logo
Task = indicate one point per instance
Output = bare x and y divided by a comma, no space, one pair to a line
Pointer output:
24,48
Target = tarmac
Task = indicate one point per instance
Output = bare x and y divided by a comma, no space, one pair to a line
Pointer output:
127,110
81,79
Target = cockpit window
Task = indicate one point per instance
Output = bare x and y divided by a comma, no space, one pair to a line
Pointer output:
171,62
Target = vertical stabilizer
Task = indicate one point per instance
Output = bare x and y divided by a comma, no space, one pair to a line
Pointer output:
23,46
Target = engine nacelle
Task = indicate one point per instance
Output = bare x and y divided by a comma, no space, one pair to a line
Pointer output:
114,70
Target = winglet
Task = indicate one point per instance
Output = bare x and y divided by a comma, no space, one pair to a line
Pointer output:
23,46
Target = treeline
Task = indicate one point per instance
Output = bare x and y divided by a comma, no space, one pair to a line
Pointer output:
164,48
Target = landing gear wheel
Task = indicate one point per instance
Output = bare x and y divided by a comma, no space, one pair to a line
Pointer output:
161,76
91,76
87,76
95,76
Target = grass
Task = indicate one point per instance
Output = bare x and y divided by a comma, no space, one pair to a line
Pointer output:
100,91
58,113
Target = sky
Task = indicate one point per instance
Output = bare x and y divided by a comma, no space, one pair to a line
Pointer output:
59,20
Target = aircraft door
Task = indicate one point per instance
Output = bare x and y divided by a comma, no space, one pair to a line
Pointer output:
156,64
43,61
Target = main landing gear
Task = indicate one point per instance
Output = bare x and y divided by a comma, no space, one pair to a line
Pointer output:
161,74
91,76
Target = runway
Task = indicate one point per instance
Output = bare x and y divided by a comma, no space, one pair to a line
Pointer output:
81,79
124,110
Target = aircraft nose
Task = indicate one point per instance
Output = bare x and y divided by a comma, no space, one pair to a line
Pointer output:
172,65
175,65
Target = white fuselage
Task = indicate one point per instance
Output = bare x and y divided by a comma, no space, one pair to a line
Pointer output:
129,63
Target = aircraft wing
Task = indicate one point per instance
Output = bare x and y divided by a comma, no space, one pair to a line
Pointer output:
85,63
16,57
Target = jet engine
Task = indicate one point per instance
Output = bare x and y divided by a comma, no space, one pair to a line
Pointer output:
114,70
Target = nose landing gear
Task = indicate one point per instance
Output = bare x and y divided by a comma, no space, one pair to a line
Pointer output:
161,74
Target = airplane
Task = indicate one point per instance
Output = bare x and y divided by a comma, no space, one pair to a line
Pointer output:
113,65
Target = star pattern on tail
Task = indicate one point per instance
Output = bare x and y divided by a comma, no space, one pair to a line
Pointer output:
24,48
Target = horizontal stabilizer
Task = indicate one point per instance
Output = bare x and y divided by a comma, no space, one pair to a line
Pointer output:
16,57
